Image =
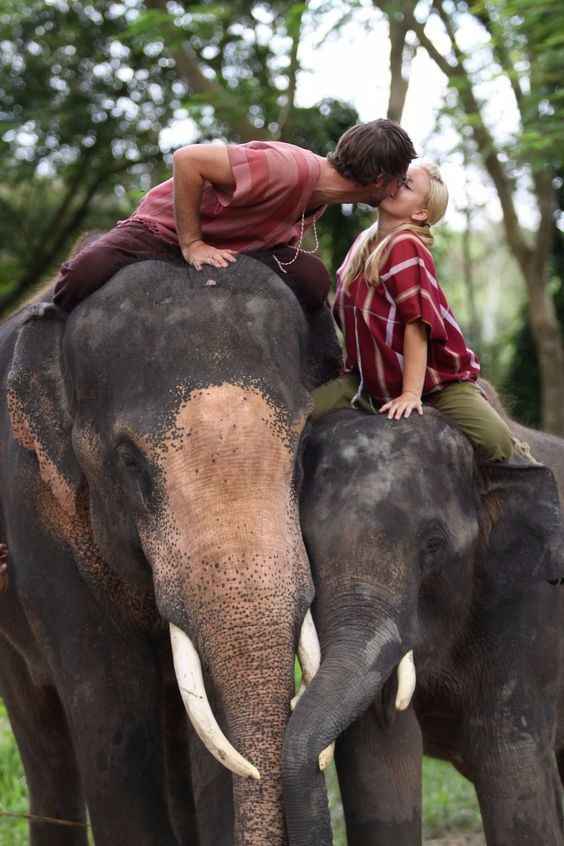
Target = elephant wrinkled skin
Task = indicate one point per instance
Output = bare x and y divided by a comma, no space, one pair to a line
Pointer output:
149,470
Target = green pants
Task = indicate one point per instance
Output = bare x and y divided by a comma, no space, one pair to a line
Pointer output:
462,402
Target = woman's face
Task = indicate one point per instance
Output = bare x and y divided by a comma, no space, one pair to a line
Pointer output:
409,201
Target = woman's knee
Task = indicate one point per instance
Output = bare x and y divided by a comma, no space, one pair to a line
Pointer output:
478,419
333,395
497,443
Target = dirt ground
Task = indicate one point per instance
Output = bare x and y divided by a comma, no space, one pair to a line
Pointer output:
462,840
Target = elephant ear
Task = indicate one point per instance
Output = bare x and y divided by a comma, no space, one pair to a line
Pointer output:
522,523
324,354
38,403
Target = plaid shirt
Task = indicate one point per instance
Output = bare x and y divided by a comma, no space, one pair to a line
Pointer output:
373,320
274,182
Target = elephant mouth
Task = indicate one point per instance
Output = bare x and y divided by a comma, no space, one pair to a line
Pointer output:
190,681
189,676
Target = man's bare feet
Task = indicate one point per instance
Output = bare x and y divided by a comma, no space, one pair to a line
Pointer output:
3,567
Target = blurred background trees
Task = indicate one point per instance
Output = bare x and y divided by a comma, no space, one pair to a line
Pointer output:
94,95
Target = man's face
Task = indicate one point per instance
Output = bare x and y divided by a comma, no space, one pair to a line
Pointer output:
384,187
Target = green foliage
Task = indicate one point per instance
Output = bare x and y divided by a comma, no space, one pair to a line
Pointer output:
86,87
80,114
520,44
498,293
13,792
522,383
243,49
449,801
527,37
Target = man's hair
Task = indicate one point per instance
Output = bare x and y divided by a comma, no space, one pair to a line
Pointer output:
367,151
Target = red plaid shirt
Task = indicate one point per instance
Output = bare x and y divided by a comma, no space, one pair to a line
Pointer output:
373,320
274,182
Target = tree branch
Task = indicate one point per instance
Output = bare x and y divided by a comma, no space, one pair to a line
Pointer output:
458,77
295,31
482,14
45,257
401,53
190,72
545,231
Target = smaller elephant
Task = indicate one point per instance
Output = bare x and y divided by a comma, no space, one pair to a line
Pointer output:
415,548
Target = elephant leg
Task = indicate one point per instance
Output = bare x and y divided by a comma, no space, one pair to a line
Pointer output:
379,771
109,684
519,795
213,786
179,789
44,742
114,709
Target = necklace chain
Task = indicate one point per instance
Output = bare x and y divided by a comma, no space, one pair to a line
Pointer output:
283,264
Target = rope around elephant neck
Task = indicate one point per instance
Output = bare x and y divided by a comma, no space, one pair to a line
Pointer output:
283,264
49,820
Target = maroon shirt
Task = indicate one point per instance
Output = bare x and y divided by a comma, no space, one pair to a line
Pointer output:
274,182
373,320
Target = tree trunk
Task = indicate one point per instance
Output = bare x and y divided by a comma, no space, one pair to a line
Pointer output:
548,340
468,273
191,73
533,261
401,53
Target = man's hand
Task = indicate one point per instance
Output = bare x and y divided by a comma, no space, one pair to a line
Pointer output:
402,406
199,253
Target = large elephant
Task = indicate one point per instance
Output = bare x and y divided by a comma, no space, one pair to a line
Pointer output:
149,469
413,549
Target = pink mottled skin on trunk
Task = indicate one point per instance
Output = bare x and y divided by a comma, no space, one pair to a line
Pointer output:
227,543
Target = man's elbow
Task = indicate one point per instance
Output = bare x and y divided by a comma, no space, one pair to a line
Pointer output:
209,161
183,155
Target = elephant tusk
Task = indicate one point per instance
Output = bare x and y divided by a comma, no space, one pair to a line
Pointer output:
309,655
406,681
309,651
190,681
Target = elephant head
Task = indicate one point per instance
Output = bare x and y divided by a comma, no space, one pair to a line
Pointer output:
406,538
166,415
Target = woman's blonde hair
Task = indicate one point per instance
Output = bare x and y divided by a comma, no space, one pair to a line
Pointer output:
370,255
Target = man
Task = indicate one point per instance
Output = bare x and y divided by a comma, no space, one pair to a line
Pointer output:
259,197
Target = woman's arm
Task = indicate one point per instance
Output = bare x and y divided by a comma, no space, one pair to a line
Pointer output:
415,345
192,166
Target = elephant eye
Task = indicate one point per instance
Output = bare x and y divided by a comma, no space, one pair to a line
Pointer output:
128,455
133,470
433,546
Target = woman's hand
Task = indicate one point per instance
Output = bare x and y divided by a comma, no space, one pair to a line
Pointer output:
199,253
402,406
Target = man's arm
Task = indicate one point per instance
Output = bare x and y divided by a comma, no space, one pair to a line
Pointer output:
192,166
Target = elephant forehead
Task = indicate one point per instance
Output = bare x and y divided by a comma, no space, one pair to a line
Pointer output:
230,455
155,309
220,422
227,463
411,465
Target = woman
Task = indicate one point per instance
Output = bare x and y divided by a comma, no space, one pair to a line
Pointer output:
403,345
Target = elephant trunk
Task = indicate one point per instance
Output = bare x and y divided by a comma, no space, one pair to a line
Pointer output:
350,677
232,575
188,670
256,704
